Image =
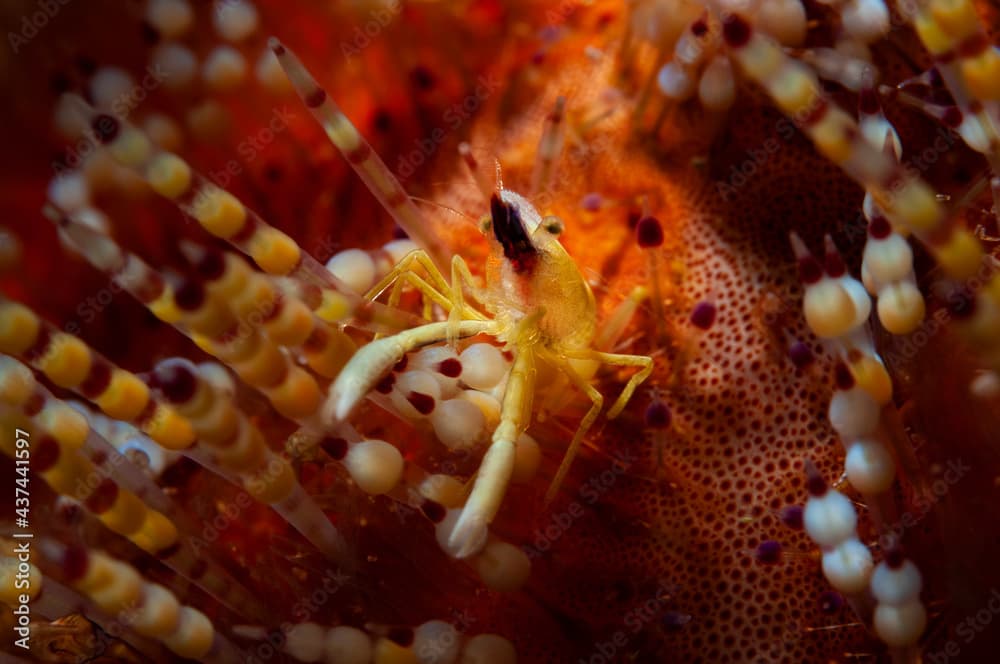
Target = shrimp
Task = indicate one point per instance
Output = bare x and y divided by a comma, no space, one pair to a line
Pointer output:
535,302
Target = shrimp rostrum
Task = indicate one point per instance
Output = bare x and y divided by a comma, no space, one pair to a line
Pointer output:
534,302
538,305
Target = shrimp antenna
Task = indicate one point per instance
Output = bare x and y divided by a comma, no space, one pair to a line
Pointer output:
427,201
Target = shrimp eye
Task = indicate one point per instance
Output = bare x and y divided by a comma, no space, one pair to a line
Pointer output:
553,225
485,225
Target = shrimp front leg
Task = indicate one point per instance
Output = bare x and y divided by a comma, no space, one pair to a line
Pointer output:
459,310
643,362
597,402
434,289
374,360
470,533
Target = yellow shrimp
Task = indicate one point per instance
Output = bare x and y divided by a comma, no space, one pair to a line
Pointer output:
536,303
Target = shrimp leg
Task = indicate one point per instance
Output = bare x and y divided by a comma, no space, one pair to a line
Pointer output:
470,532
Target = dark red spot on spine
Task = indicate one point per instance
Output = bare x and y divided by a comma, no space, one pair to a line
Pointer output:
422,78
649,232
189,296
106,128
879,228
434,511
211,266
335,447
974,45
384,386
45,455
33,406
359,154
245,233
315,98
401,635
97,380
85,65
396,198
59,82
815,113
736,31
382,121
423,403
274,310
147,413
842,377
952,117
150,288
150,35
38,349
317,341
103,497
176,382
946,57
658,415
452,368
894,557
833,262
815,484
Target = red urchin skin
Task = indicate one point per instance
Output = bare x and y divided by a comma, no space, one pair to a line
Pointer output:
663,554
